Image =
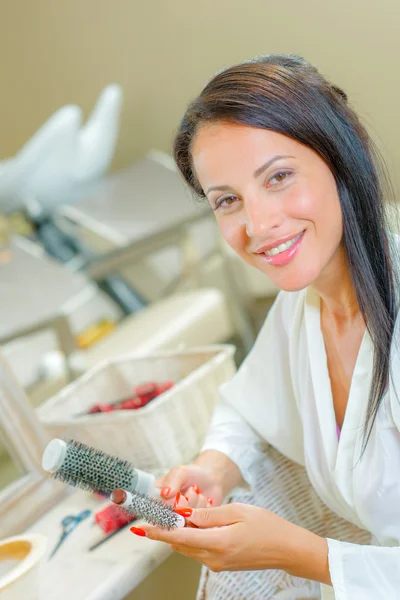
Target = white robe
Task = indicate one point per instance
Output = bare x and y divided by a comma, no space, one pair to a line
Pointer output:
282,394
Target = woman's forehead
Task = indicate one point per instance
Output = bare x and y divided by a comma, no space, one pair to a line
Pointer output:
226,146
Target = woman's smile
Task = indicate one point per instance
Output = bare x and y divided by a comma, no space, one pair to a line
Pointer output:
283,252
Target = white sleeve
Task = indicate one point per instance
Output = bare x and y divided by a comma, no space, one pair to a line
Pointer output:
258,406
364,572
232,436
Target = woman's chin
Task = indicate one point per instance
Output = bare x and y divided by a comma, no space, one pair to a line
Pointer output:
292,283
293,287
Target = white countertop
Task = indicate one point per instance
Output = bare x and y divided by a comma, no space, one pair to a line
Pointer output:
110,572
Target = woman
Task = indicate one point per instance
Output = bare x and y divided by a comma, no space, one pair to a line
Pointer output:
294,182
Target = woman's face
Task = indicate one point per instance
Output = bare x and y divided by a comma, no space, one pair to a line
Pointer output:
275,201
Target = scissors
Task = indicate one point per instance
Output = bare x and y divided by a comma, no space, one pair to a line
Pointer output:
68,524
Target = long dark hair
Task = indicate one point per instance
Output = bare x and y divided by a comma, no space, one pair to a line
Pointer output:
284,93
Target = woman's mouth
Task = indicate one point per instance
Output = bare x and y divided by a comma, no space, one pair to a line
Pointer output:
283,254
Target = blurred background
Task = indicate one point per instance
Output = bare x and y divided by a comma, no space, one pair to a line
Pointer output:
103,250
163,53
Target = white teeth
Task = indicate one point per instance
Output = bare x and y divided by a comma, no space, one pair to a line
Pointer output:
283,247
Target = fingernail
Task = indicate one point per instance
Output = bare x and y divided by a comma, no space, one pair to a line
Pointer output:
165,491
196,488
177,498
138,531
209,500
187,499
184,511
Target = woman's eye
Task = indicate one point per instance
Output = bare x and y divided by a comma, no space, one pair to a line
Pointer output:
225,202
279,177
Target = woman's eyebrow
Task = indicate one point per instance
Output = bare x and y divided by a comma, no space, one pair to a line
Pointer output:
265,166
220,188
257,173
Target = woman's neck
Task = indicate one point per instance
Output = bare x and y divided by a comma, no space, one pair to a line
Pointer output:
339,303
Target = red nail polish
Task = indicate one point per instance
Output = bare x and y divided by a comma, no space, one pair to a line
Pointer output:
138,531
184,511
177,498
187,499
209,500
165,491
196,488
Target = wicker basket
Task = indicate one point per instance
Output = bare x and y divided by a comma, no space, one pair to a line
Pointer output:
168,431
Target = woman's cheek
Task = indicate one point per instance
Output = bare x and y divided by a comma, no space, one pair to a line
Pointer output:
234,233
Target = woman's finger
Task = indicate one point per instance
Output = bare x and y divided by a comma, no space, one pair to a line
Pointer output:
175,480
193,494
193,500
220,516
201,501
195,554
180,500
185,537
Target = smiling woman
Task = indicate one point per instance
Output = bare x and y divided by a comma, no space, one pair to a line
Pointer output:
296,161
297,191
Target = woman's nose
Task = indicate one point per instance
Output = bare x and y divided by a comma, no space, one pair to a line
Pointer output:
260,217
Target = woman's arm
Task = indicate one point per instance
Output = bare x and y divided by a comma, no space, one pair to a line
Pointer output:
223,470
357,571
232,449
307,556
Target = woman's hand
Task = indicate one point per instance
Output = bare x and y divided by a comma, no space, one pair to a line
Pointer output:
196,483
237,537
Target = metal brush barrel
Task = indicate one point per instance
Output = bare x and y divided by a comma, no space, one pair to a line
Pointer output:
81,466
150,510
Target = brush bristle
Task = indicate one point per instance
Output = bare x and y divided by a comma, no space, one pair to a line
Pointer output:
152,511
93,470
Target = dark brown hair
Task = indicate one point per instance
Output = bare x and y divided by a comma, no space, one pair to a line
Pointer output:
284,93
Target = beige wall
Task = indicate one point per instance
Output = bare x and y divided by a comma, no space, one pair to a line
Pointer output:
55,52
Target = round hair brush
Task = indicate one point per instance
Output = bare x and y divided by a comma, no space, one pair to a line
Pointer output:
150,510
85,467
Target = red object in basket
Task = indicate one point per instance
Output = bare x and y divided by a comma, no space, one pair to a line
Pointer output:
143,394
112,518
130,403
105,407
146,391
164,387
98,408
